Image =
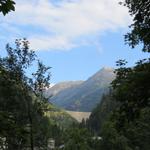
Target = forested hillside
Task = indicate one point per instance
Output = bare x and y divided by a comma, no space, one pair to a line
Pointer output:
101,113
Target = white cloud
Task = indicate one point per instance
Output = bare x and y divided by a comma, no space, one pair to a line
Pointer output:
50,43
63,24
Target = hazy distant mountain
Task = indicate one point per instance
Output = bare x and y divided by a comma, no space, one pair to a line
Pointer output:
79,95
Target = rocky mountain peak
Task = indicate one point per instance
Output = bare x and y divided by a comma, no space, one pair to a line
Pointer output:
82,95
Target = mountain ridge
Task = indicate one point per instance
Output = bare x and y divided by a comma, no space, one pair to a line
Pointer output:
83,95
61,86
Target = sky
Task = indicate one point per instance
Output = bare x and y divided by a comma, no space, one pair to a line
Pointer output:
75,37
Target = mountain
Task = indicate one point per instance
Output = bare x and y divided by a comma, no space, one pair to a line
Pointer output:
54,90
82,96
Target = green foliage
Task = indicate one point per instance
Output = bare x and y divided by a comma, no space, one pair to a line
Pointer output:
127,128
6,6
13,104
101,113
41,78
138,132
13,113
111,139
131,89
77,139
133,136
21,111
140,29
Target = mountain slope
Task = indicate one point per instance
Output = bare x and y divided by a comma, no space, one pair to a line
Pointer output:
59,116
53,91
85,95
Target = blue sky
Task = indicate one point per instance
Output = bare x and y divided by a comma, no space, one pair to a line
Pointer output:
75,37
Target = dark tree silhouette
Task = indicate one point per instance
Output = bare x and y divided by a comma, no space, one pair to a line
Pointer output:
140,29
6,6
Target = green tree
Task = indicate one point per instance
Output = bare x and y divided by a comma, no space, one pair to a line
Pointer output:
112,139
101,113
13,112
41,79
131,89
128,127
16,103
140,28
6,6
20,108
132,136
39,82
77,139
